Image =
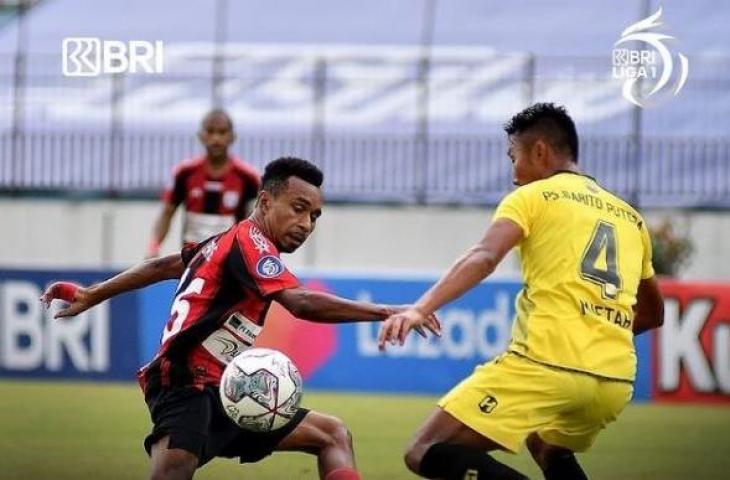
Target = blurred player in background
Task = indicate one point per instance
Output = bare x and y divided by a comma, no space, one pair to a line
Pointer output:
216,188
589,286
227,284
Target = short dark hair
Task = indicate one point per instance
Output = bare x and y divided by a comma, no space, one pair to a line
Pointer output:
278,172
552,121
216,112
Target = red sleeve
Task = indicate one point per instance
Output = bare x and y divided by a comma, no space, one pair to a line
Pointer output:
189,250
262,261
175,191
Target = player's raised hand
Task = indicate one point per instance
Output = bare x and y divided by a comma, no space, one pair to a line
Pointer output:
76,296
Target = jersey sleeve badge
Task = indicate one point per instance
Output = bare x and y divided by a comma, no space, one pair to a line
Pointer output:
269,267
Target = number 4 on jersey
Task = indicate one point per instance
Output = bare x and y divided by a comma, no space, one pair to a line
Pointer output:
602,247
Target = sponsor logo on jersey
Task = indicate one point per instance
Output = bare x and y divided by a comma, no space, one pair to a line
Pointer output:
209,249
228,347
236,335
260,243
269,267
213,186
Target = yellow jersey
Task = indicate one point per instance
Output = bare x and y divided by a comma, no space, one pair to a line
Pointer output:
583,253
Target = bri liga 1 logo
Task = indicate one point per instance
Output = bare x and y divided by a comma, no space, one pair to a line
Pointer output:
647,68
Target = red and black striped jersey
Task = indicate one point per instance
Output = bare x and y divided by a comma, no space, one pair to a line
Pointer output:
220,306
212,203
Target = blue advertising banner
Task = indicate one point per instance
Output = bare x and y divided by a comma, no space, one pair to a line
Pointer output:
475,328
102,343
112,340
154,311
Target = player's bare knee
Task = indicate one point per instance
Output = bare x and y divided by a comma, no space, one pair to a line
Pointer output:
172,464
336,434
412,460
413,456
173,470
341,435
546,454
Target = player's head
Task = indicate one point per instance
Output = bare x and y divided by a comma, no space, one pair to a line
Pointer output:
542,139
216,133
290,201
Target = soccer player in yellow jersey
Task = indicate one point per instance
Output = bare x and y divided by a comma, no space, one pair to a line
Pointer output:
589,286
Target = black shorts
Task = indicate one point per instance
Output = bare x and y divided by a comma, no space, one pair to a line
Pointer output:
195,421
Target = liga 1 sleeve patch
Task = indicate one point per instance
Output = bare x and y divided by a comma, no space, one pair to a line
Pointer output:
269,267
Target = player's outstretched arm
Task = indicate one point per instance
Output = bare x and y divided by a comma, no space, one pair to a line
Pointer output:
327,308
160,229
649,308
473,267
82,298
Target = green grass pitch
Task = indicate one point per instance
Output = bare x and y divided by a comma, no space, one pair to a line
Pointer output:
83,431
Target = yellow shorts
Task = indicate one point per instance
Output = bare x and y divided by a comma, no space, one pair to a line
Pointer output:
511,397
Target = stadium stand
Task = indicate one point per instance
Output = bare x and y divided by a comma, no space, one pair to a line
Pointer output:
386,125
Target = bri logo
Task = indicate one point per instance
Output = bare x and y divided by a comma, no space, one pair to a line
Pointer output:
91,56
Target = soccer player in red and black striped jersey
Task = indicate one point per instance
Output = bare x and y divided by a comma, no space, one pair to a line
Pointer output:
227,284
216,188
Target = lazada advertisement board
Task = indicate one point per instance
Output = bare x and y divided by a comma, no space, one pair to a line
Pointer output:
476,328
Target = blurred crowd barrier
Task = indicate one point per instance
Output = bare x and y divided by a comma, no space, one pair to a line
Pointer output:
386,123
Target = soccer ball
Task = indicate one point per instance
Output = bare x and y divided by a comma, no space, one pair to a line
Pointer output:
261,390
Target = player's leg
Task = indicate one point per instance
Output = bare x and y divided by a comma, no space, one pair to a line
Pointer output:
171,463
596,404
556,463
486,411
446,448
328,438
181,430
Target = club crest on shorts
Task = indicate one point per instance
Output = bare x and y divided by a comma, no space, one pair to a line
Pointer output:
269,267
488,404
